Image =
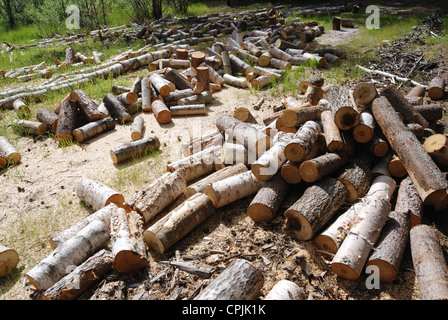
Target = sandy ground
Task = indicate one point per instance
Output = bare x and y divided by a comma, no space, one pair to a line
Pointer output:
40,200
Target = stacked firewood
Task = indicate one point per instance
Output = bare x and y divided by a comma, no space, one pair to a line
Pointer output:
369,165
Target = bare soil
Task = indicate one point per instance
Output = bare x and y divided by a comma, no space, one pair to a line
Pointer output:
39,200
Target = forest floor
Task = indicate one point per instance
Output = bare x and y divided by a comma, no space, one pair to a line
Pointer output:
39,200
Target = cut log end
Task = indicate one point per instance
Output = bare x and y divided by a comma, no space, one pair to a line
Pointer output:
388,272
297,225
326,243
346,118
153,241
260,212
129,261
344,271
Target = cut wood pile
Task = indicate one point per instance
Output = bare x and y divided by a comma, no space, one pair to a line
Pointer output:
369,165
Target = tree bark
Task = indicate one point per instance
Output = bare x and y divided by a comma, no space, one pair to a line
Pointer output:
66,121
128,245
94,128
81,278
429,263
402,106
71,253
314,208
430,182
409,202
233,188
49,118
431,112
116,108
9,258
180,221
133,149
156,196
268,199
239,281
346,115
198,144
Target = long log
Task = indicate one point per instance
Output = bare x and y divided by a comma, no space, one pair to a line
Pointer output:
71,253
430,182
314,208
429,263
88,107
134,149
81,278
66,121
233,188
116,108
96,194
127,243
409,202
239,281
93,128
9,259
153,198
180,221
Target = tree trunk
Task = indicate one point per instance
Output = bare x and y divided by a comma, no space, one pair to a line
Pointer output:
315,169
352,255
389,249
127,243
430,182
199,186
31,127
133,149
153,198
88,107
302,142
346,115
9,258
409,202
232,188
138,125
66,121
331,132
268,199
97,195
429,263
116,108
332,237
49,118
239,281
81,278
436,88
364,131
357,177
103,215
285,290
71,253
157,9
161,111
180,221
402,106
94,128
314,208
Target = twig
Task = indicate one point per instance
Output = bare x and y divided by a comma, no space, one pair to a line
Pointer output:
395,77
412,70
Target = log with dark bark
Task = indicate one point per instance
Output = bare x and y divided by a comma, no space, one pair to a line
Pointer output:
346,115
409,202
402,105
88,107
239,281
336,23
436,88
66,121
180,221
357,176
431,112
429,181
48,117
93,128
134,149
317,168
116,108
429,263
267,201
81,278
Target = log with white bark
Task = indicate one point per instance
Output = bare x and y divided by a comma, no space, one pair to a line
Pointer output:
198,144
409,202
127,242
402,106
9,259
202,98
203,79
21,108
239,281
160,84
239,65
235,153
93,128
97,195
332,237
8,151
81,278
235,81
138,125
71,253
180,221
301,143
364,131
388,251
186,110
429,181
134,149
285,290
314,208
103,215
233,188
153,198
30,127
346,115
429,262
266,203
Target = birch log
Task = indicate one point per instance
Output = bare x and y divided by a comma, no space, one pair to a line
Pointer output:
8,151
9,258
97,195
285,290
409,202
134,149
300,145
93,128
137,128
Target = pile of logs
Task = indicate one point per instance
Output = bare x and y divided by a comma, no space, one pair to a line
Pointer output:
354,204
